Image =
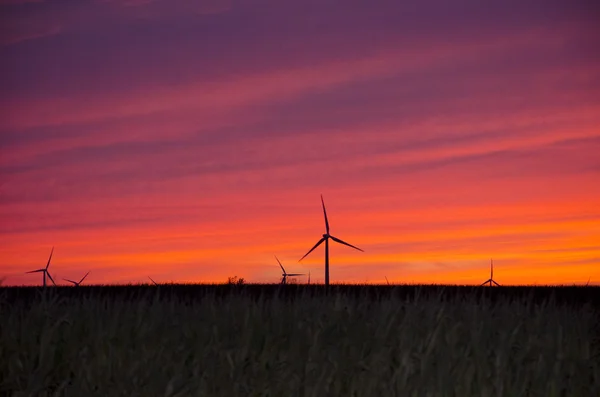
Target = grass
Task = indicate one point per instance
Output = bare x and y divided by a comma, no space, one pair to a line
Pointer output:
239,341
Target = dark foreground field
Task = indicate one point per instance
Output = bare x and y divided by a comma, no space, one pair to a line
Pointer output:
257,340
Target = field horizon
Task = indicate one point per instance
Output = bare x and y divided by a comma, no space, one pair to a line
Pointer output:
565,294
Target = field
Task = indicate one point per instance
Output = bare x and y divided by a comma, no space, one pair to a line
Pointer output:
262,340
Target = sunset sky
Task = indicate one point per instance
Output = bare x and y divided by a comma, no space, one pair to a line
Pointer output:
190,141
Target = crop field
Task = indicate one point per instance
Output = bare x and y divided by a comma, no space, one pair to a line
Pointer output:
294,340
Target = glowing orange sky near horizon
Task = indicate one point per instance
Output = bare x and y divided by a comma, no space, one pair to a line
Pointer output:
191,143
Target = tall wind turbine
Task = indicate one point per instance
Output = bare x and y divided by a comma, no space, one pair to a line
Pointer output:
45,270
76,283
325,239
286,274
491,281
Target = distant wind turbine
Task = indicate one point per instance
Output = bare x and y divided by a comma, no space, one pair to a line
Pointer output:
491,281
325,239
76,283
155,283
285,274
45,270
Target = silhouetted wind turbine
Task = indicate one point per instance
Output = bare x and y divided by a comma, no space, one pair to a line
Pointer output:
155,283
45,270
491,281
285,274
325,239
76,283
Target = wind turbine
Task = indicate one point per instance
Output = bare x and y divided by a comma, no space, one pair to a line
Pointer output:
76,283
325,239
491,281
155,283
285,274
45,270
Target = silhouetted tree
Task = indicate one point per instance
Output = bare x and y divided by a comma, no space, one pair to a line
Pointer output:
235,280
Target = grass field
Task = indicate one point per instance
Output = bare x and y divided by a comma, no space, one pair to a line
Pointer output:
299,341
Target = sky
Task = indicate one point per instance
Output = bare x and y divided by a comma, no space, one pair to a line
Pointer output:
190,141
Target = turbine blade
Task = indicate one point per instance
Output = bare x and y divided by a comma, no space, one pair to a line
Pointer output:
48,265
297,274
278,261
345,243
325,214
152,280
71,281
81,281
36,271
387,281
313,248
495,283
491,269
485,282
51,279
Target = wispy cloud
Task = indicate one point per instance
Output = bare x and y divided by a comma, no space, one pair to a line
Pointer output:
11,2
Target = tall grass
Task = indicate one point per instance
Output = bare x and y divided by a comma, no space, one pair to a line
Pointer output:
336,345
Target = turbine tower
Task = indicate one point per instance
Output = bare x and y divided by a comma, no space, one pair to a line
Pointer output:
325,239
286,274
76,283
45,271
490,281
